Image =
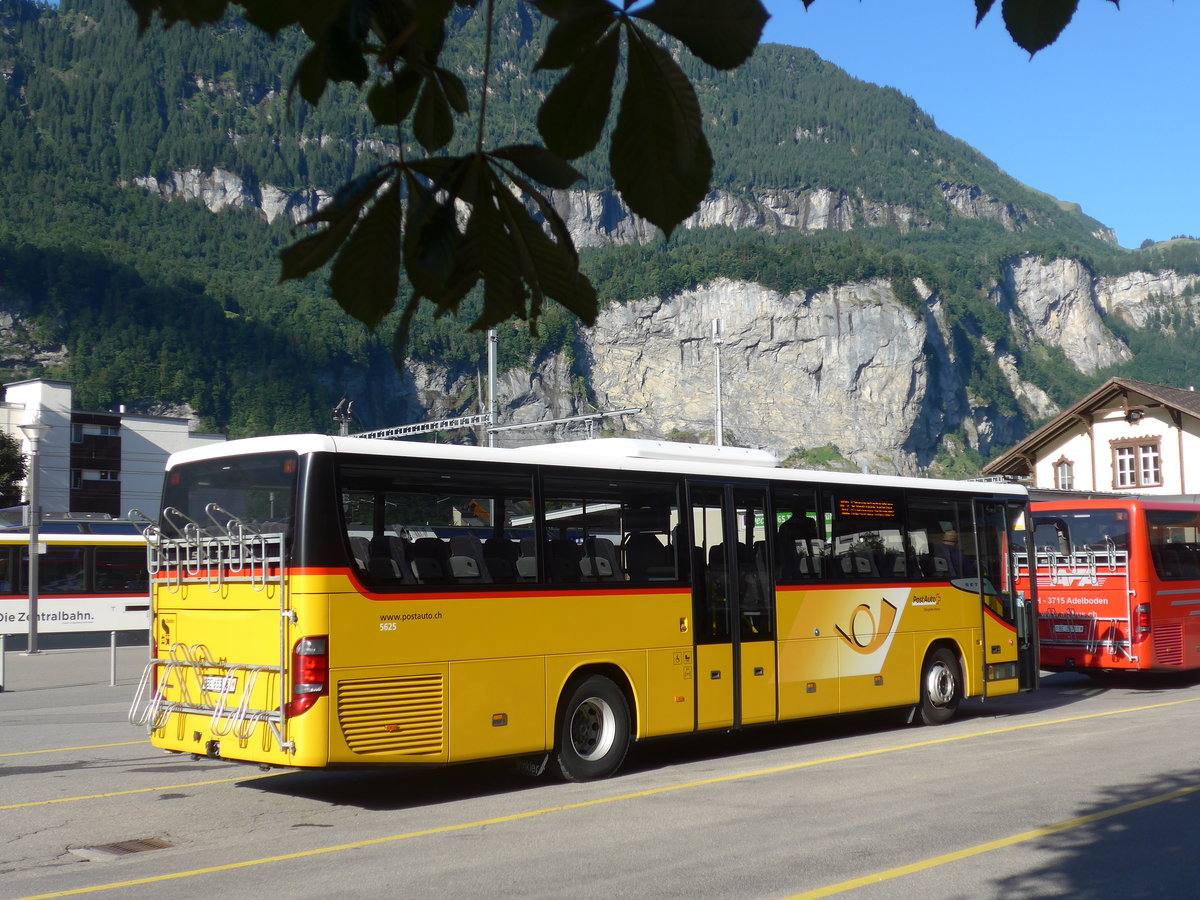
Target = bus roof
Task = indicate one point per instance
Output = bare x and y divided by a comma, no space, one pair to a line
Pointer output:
621,454
1120,501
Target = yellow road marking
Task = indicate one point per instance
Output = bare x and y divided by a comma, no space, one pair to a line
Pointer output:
968,852
67,749
651,792
149,790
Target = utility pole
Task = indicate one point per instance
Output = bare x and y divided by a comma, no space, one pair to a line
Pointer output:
492,342
716,339
343,413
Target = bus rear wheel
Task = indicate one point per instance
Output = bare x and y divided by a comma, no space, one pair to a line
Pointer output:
941,687
593,731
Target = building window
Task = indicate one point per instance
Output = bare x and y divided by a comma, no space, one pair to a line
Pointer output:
76,433
1137,465
110,476
76,478
110,431
1151,468
1064,475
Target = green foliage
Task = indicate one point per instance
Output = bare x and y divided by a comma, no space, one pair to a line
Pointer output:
659,157
680,436
164,303
827,458
12,470
1166,354
957,461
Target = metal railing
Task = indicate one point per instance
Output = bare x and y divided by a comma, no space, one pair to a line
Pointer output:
1066,626
188,680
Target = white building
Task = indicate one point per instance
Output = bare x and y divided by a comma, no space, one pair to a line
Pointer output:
94,462
1127,436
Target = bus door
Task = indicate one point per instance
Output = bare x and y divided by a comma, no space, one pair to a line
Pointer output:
995,524
733,606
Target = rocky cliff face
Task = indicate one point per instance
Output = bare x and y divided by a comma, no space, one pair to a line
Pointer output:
22,350
850,366
1055,302
599,218
1060,303
845,366
219,190
1136,298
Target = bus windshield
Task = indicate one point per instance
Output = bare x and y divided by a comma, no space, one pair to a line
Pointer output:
253,492
1074,531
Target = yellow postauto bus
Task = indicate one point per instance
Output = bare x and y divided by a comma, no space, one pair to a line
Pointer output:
330,601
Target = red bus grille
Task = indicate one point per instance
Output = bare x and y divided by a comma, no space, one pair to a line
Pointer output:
1168,645
404,715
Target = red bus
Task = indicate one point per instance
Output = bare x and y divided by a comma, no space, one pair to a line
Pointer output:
1118,584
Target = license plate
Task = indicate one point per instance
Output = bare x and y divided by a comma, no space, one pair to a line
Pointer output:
1068,629
219,684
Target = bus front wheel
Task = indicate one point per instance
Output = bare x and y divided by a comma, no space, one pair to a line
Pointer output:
593,731
941,687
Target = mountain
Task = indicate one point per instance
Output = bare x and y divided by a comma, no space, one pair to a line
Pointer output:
891,299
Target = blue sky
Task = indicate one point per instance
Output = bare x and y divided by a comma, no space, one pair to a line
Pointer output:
1105,117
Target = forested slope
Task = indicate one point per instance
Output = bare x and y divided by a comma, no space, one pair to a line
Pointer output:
168,305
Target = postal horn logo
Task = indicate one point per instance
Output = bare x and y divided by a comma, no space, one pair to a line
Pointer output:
864,632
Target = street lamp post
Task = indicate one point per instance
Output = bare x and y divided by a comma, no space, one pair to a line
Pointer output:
34,432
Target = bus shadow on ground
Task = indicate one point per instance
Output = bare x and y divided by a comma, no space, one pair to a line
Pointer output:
405,787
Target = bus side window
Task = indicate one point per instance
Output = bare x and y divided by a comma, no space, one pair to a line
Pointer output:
120,570
60,571
799,540
868,534
410,524
7,581
608,530
941,535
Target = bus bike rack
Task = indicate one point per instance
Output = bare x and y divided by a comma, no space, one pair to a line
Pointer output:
238,556
1085,568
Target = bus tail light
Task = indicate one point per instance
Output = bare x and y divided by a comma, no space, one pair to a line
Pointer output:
310,674
1141,621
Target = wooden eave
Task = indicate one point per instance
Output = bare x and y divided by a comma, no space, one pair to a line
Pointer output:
1123,394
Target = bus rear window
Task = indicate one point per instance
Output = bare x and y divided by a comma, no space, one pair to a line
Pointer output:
1078,531
252,492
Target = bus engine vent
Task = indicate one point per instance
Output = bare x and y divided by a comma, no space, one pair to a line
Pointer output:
404,715
1168,645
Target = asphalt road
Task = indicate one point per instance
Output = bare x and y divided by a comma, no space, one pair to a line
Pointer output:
1080,790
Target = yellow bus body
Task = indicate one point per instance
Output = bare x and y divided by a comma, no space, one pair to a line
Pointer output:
437,679
323,629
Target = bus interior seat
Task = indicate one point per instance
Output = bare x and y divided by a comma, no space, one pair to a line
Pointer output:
646,557
500,556
400,551
527,562
563,558
467,560
430,560
942,563
383,567
600,560
361,548
858,563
